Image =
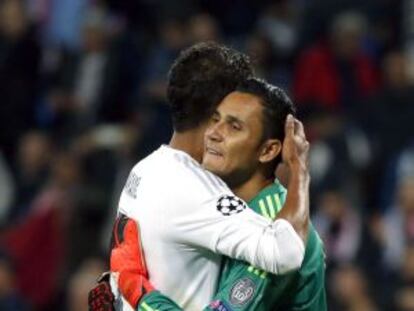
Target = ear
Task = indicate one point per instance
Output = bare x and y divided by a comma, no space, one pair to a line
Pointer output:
269,150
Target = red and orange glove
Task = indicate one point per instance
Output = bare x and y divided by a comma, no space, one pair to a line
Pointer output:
127,259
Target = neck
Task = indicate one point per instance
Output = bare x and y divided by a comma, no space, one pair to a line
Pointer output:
191,142
248,190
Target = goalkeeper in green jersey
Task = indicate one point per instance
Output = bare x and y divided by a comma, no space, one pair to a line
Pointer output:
243,146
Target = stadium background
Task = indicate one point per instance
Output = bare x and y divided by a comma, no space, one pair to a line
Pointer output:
82,98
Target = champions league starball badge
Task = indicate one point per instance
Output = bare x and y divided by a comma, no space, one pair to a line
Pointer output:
230,205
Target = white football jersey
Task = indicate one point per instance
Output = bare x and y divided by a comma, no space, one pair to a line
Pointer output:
188,218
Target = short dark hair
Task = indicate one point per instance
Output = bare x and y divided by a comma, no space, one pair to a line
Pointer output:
276,106
200,78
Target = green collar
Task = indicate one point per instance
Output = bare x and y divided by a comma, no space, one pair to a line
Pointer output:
270,200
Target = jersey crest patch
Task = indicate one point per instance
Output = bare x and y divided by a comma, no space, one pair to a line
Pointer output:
230,205
242,292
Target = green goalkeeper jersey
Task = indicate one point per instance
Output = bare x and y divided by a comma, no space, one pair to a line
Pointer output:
244,287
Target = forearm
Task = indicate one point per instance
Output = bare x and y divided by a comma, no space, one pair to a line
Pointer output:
274,247
296,207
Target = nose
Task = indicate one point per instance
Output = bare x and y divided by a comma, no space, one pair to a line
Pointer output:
214,132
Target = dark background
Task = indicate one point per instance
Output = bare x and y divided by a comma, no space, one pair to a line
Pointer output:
82,98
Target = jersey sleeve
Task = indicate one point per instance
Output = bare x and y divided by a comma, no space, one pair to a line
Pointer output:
225,225
198,210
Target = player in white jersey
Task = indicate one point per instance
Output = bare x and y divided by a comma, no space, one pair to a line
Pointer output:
188,216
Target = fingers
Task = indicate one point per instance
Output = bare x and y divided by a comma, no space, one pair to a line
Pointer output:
100,297
299,130
294,127
290,125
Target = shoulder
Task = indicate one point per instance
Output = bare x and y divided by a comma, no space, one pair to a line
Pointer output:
175,175
186,171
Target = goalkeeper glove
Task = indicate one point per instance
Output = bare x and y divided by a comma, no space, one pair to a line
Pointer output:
127,259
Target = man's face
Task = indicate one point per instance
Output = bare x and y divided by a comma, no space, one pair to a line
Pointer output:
232,142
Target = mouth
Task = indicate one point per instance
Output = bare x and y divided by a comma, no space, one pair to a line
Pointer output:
213,152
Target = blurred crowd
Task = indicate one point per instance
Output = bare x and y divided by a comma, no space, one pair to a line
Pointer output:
82,98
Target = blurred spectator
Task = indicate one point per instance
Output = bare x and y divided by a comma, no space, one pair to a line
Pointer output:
92,194
237,17
57,115
385,17
340,151
98,97
261,52
404,289
154,112
203,27
81,282
173,38
62,21
41,238
7,190
272,46
88,80
337,74
19,63
389,112
350,290
399,224
10,299
31,171
395,99
37,247
279,25
93,87
340,227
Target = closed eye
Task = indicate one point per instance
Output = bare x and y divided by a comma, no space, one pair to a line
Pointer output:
236,126
215,117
